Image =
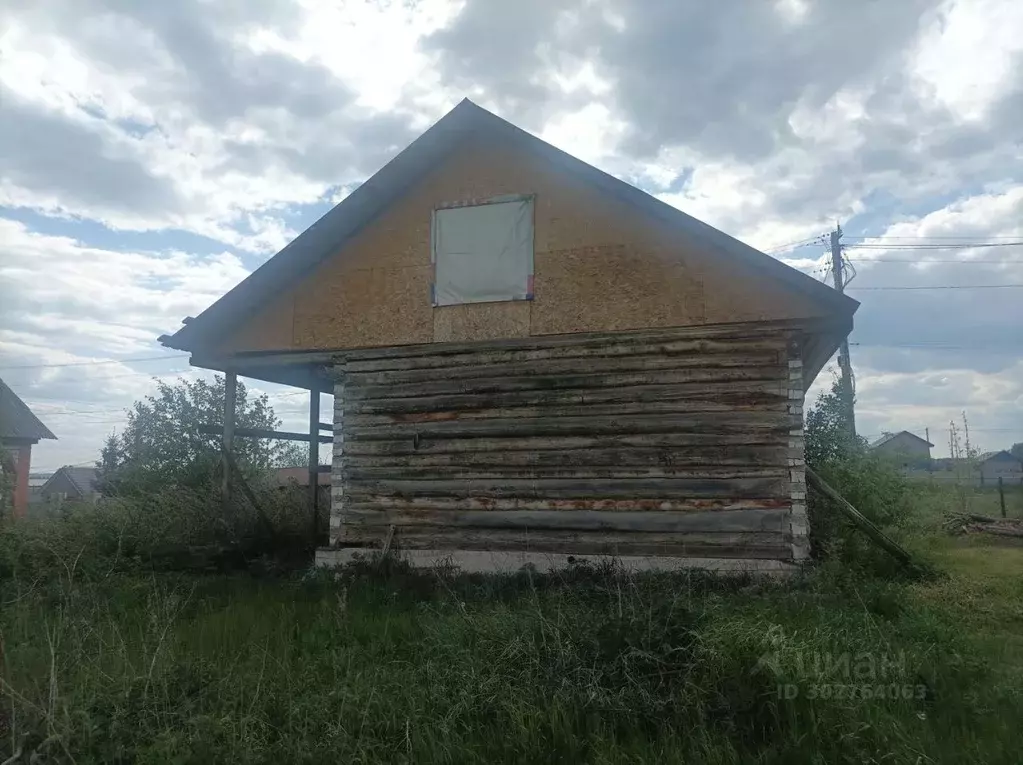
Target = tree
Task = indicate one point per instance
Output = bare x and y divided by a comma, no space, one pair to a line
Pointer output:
161,446
828,434
872,484
1017,451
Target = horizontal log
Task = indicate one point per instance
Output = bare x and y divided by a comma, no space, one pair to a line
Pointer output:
474,472
772,437
280,435
568,366
738,392
630,505
613,347
711,456
736,331
775,521
759,403
553,425
508,562
354,392
601,488
724,545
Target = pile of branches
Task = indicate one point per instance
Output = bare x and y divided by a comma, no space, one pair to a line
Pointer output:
982,524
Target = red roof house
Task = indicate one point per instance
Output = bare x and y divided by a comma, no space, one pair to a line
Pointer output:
19,430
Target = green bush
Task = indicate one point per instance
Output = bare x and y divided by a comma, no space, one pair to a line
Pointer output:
175,530
875,488
872,485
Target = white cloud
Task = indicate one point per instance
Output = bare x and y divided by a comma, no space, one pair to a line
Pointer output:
70,311
217,140
109,301
222,119
371,47
968,56
930,400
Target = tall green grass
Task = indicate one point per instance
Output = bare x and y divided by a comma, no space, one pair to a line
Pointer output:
179,530
391,665
159,630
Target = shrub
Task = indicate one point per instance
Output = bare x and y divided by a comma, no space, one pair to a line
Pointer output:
872,485
175,530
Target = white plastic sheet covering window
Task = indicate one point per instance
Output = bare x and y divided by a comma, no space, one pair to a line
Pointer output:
483,253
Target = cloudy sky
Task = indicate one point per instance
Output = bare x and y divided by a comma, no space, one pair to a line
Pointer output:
152,154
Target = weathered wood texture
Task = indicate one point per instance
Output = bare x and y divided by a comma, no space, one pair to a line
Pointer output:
494,561
621,445
601,265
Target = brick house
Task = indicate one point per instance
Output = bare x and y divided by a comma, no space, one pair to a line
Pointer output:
20,429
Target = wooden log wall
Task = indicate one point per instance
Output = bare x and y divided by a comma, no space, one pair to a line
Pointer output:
671,442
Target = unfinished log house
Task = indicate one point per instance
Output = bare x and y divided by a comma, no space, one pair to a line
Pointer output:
533,362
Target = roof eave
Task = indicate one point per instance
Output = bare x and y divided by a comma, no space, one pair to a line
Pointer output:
354,212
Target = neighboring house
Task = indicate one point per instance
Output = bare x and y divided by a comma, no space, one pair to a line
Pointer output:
533,362
295,482
299,476
71,484
904,447
20,430
36,481
1001,464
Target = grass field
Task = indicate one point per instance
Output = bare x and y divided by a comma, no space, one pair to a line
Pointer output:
591,666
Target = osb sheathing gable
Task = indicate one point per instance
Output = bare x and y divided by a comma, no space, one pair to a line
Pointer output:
600,264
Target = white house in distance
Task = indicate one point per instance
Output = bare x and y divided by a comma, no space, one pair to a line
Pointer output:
904,447
1001,464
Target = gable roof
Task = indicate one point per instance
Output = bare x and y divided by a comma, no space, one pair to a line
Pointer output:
889,436
327,236
17,420
1000,453
81,478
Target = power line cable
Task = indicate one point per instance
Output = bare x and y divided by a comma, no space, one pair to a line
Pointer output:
936,260
148,375
944,237
55,469
946,287
96,363
928,246
938,346
794,245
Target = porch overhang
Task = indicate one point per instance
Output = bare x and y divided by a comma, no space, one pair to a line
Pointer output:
310,369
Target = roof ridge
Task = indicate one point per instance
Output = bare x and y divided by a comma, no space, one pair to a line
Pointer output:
30,422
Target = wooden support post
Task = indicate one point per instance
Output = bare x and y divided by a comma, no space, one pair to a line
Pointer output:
314,458
227,442
1001,494
859,520
247,491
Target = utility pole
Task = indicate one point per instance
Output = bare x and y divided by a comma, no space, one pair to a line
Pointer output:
844,364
